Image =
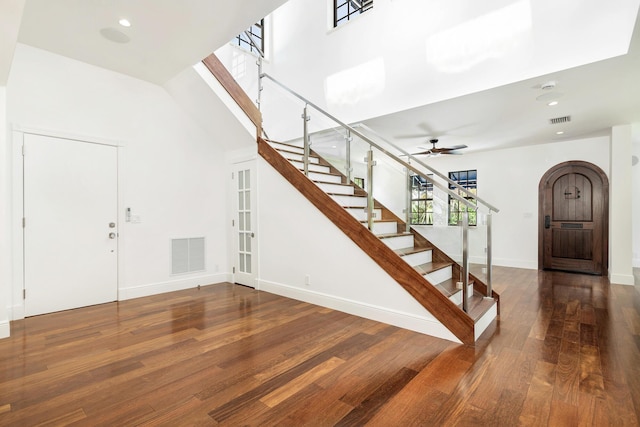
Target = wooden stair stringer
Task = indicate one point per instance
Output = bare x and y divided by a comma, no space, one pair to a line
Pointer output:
444,310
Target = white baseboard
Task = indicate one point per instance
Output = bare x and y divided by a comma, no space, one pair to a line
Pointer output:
621,279
173,285
5,329
424,325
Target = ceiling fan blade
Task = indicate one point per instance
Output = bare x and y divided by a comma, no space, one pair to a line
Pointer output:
457,147
423,153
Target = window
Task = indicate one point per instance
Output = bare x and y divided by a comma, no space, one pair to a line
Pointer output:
257,34
359,182
468,180
421,200
345,10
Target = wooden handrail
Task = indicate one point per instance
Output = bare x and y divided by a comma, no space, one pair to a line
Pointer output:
236,92
454,319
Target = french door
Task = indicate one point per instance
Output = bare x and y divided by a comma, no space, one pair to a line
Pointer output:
244,223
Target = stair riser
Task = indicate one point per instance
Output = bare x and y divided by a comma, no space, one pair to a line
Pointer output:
336,189
384,227
299,158
312,167
321,177
399,242
439,275
456,298
350,201
418,258
284,147
361,215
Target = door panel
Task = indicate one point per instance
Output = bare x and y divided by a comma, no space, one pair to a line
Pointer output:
574,218
70,209
245,265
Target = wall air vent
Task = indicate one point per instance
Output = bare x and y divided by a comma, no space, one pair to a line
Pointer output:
187,255
558,120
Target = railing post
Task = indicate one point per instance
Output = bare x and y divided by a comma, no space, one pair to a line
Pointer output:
465,260
489,255
408,204
260,76
305,119
348,169
370,164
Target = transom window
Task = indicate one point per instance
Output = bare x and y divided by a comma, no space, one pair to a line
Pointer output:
421,200
257,34
345,10
469,180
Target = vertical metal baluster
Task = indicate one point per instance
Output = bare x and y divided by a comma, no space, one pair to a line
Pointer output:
489,255
408,204
370,164
348,169
465,260
305,119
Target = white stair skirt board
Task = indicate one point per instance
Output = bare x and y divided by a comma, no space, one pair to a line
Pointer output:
351,202
321,177
425,325
418,258
173,285
398,242
361,213
299,157
312,167
438,276
485,320
285,147
335,188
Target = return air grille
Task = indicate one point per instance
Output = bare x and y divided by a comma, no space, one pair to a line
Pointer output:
557,120
187,255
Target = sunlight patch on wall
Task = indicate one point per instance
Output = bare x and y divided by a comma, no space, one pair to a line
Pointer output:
491,36
350,86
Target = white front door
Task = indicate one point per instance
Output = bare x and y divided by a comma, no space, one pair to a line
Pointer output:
244,223
70,233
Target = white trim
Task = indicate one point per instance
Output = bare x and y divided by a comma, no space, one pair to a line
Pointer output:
424,325
5,329
621,279
172,285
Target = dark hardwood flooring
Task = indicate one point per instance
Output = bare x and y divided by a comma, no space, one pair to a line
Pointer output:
566,352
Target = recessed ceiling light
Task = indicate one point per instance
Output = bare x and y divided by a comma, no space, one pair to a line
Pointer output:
124,22
560,132
552,103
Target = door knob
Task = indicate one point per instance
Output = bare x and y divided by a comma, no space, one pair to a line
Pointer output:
112,225
112,235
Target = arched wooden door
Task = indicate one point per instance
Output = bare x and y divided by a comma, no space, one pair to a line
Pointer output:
574,219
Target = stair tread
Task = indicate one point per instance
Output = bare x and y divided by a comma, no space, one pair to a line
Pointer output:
411,250
347,195
284,150
450,286
391,235
336,183
431,267
478,306
284,143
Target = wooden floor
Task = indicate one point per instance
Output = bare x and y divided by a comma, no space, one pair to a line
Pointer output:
565,352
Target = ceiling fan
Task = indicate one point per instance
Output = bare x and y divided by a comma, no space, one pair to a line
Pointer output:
435,151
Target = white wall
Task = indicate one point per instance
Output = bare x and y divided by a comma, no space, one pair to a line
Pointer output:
408,53
171,173
297,240
5,219
509,180
635,209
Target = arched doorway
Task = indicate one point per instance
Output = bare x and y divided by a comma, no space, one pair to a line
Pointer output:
573,219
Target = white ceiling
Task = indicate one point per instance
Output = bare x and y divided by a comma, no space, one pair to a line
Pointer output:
167,36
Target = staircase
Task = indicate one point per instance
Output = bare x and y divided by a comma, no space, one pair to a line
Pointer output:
428,274
410,247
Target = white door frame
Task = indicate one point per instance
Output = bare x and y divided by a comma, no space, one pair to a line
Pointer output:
17,310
